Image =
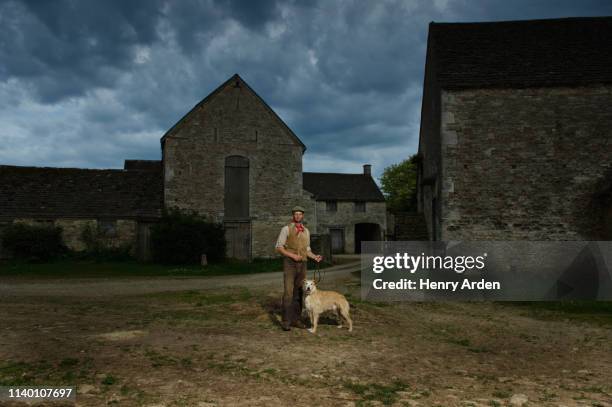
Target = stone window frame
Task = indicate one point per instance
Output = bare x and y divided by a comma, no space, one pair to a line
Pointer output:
359,206
331,206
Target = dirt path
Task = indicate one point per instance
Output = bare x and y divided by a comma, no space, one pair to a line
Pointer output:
99,287
205,342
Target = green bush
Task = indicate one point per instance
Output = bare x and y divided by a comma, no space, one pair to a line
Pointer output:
101,247
34,242
182,237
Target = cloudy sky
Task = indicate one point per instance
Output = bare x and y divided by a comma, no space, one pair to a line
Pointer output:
90,83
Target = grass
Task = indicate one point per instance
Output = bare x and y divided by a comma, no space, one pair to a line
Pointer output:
65,372
586,311
386,394
73,268
199,298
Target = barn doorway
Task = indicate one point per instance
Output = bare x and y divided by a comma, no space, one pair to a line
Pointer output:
237,222
238,238
143,249
366,232
337,240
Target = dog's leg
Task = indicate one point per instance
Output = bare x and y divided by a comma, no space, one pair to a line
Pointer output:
345,314
315,321
339,317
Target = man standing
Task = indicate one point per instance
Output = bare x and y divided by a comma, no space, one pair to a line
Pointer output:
294,244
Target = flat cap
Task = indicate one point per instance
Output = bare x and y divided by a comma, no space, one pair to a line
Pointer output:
297,209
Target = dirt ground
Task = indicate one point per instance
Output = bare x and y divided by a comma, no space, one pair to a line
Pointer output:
224,347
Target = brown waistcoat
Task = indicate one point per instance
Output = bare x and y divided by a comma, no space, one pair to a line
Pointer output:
298,242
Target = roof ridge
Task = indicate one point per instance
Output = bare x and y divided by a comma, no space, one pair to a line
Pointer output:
535,20
29,167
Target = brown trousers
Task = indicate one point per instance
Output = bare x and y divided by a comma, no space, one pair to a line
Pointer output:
294,275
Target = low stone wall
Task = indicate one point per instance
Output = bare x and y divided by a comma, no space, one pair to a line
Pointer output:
123,233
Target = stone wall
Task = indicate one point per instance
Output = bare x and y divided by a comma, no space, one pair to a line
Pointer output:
235,121
409,226
525,163
72,232
345,217
428,176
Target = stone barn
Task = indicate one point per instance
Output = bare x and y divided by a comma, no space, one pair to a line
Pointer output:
516,130
231,158
349,207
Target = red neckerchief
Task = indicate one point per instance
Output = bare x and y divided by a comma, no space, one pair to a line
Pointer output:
299,227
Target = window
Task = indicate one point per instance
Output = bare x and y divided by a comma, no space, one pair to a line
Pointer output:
107,228
360,206
331,206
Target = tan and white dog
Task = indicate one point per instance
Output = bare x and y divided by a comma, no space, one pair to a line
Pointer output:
318,301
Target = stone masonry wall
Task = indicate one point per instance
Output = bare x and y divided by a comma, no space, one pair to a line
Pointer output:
524,163
72,231
235,122
345,217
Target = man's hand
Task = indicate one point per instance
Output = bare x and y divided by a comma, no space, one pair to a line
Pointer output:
296,257
318,258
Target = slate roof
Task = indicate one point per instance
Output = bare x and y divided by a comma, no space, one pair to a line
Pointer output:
555,52
149,165
327,186
44,192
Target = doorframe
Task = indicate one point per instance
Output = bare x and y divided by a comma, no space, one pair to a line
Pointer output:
249,256
342,229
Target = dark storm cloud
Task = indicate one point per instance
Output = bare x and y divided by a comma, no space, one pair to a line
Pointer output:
89,83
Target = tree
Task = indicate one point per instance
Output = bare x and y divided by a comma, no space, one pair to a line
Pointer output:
398,183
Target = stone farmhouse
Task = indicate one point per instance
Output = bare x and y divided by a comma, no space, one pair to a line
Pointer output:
230,158
516,130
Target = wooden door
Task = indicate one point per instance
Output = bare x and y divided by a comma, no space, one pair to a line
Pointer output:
143,252
238,240
337,240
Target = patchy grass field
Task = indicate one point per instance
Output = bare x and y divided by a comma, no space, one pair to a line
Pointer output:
225,347
71,268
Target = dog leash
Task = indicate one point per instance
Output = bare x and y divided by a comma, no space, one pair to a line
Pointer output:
317,272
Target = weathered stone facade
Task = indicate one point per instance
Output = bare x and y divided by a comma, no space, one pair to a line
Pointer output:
346,218
123,233
524,163
515,139
234,121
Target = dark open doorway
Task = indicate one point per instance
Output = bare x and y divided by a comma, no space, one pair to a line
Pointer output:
366,232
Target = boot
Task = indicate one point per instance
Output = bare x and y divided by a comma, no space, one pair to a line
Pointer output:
285,325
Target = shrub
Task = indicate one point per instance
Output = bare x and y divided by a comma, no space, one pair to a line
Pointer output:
182,237
34,242
102,247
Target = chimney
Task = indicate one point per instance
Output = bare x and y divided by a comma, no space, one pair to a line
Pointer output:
367,169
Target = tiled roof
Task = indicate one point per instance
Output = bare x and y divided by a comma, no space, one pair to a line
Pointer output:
341,187
43,192
556,52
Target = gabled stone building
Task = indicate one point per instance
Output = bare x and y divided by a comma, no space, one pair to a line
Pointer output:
230,158
516,130
349,207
